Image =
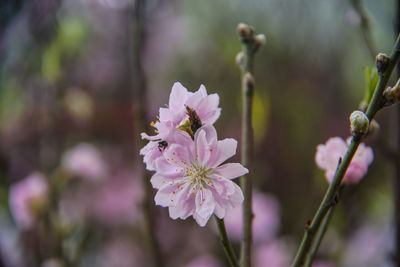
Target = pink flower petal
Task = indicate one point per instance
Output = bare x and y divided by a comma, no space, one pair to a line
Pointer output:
164,168
230,170
205,205
202,148
178,97
225,149
167,195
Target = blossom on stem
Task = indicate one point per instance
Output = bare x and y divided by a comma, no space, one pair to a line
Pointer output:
27,199
176,116
191,180
328,154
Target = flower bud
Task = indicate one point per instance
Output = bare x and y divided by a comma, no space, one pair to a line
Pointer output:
240,58
359,123
382,61
373,127
246,33
249,80
392,94
260,39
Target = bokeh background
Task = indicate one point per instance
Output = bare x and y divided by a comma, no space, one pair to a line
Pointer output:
73,77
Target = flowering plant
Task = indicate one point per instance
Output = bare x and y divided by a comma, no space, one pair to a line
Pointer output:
189,176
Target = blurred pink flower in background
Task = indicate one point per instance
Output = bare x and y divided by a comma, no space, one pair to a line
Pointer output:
205,261
117,201
171,117
52,262
272,254
120,252
266,220
190,180
27,199
328,154
369,246
84,160
320,263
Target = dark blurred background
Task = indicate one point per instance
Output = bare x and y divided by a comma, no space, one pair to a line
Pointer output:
73,72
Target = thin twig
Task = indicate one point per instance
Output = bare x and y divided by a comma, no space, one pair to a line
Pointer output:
250,44
321,233
365,27
226,244
139,12
376,104
396,162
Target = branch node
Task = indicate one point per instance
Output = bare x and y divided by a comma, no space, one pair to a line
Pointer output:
382,62
246,33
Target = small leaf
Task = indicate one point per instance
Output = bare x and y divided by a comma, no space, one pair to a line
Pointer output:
371,78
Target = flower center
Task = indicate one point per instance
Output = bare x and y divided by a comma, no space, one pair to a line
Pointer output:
197,176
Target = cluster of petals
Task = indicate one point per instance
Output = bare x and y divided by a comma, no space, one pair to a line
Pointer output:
189,175
27,198
174,115
191,180
328,154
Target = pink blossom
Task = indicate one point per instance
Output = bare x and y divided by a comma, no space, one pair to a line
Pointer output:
117,201
171,117
120,252
328,155
369,246
27,199
273,254
320,263
191,180
266,218
204,261
85,161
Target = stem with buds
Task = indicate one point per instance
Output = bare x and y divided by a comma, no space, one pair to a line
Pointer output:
245,59
385,67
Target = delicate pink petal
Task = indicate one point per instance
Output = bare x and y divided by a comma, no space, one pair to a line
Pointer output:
164,168
165,114
178,97
219,211
207,108
185,204
230,170
157,181
223,187
202,148
149,137
183,138
225,149
151,152
177,155
211,134
205,205
167,195
202,90
237,197
231,200
212,116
